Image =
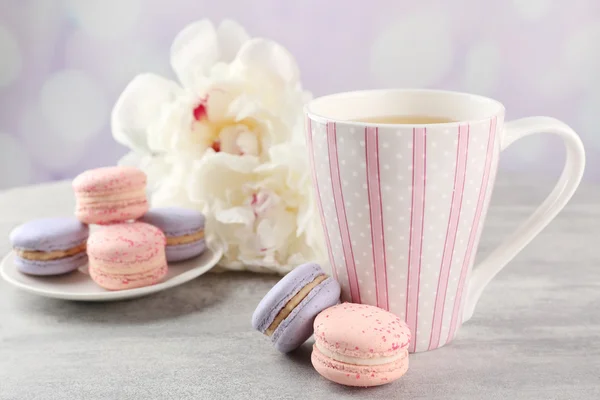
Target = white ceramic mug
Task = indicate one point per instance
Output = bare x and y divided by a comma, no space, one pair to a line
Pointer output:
403,205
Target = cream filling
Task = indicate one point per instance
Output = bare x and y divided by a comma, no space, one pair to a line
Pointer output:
102,198
360,361
185,239
293,303
126,268
50,255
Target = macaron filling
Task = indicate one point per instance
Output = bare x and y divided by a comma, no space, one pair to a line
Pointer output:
360,361
125,268
185,239
50,255
146,272
293,303
92,197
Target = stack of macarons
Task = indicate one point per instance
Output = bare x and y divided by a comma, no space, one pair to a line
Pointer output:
355,344
131,248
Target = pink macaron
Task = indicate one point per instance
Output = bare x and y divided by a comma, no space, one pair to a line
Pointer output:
127,256
111,194
360,345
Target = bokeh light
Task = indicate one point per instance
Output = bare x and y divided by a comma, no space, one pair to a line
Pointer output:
15,163
10,59
65,62
48,148
581,54
105,18
588,121
416,50
73,105
114,64
482,68
532,10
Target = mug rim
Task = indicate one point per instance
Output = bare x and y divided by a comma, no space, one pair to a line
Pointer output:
360,93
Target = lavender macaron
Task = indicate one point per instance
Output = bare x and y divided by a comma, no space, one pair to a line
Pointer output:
50,246
287,312
184,229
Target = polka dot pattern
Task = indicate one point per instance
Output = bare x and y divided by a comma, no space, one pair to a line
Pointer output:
396,156
354,172
478,145
319,134
441,160
397,201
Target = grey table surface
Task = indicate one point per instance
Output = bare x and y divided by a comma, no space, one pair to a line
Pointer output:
535,333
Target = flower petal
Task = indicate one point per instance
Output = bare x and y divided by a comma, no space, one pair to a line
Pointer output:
177,132
155,166
132,159
235,215
273,232
267,62
222,162
194,52
248,144
220,178
245,106
228,138
172,190
138,107
231,37
217,103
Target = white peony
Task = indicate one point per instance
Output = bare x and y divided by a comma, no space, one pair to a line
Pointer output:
229,142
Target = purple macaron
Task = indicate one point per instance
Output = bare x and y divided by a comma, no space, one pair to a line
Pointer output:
287,312
184,229
50,246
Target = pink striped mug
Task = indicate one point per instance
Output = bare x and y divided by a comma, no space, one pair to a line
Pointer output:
403,205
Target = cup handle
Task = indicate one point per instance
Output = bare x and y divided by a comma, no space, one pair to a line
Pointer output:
556,200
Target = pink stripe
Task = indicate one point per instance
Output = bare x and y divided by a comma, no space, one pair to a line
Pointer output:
454,217
376,216
474,231
311,150
417,220
385,277
338,198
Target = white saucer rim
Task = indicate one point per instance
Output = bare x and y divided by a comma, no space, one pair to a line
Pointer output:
215,249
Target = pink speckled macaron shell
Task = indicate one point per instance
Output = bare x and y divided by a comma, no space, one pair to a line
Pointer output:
359,330
109,179
126,243
112,212
111,194
128,255
358,375
131,281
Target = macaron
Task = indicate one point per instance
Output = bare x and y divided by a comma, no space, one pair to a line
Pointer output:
360,345
50,246
184,229
127,256
110,194
287,312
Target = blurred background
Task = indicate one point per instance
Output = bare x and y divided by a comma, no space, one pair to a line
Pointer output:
63,63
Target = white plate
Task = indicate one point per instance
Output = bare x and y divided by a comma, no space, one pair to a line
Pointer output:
78,285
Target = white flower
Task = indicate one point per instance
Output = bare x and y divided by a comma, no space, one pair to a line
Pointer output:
228,141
